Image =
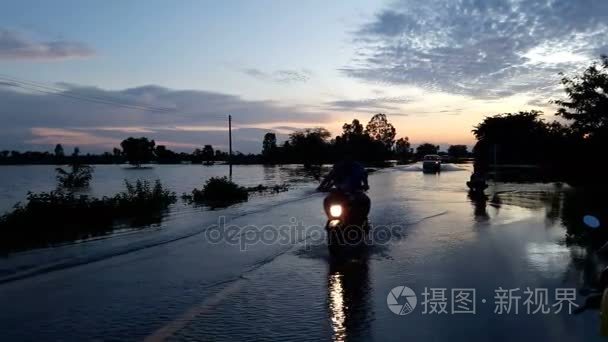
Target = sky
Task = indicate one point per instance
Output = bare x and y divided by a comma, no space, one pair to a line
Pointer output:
91,73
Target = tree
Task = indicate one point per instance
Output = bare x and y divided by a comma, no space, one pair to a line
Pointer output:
269,146
219,155
116,152
458,151
59,151
403,150
511,138
353,129
587,104
208,153
138,150
309,146
79,176
355,142
426,148
164,155
381,130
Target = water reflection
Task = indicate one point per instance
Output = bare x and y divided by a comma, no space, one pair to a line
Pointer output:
479,201
577,248
337,310
305,173
567,207
348,298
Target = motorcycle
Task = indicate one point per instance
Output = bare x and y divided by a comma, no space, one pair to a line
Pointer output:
477,184
347,223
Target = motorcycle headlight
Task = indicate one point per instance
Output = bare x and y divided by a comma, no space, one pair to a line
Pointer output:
335,210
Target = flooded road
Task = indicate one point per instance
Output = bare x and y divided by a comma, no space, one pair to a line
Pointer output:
233,286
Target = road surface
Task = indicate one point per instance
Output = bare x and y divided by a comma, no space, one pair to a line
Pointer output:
286,287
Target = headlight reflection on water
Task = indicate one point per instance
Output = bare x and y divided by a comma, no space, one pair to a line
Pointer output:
337,307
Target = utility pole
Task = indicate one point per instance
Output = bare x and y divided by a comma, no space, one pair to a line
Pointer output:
230,144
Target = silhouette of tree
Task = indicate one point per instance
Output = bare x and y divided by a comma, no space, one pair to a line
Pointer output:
116,152
219,155
403,150
381,130
426,148
164,155
514,138
587,104
79,176
59,154
138,150
353,141
458,151
309,146
59,151
207,153
269,147
354,129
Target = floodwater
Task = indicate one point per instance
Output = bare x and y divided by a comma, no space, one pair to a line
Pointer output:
189,279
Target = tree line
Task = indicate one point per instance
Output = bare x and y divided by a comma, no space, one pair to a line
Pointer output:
375,142
571,148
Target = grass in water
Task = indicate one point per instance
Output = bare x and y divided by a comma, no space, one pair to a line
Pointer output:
49,218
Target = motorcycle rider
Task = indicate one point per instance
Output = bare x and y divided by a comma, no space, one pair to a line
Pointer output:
347,176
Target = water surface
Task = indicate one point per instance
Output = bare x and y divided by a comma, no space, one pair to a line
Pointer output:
193,289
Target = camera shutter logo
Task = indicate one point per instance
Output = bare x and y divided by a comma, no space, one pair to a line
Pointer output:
401,300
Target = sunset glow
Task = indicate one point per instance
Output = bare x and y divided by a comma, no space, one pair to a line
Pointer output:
280,72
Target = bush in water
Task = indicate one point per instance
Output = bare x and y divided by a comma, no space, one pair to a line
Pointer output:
218,192
54,217
143,196
78,177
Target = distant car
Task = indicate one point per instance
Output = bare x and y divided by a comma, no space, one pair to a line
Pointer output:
431,163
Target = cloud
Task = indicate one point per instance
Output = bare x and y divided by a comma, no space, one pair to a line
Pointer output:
539,102
51,136
245,139
368,105
279,76
288,129
37,120
18,46
482,49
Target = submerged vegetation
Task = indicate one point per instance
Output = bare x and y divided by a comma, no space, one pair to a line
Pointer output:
54,217
218,192
274,189
78,177
143,197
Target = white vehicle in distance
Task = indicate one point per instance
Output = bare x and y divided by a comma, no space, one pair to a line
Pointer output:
431,163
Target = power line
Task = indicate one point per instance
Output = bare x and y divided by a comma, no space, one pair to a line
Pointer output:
65,92
45,89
